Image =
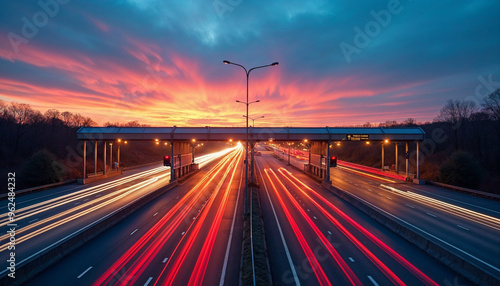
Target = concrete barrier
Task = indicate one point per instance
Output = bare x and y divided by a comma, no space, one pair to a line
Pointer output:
437,249
37,262
39,188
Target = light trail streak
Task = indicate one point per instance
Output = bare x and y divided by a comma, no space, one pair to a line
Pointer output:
202,262
149,247
318,270
483,219
405,263
377,262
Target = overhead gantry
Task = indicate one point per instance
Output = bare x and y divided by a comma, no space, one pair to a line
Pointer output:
319,138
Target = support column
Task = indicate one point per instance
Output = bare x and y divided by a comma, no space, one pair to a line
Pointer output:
382,156
289,154
397,158
252,166
119,156
110,156
407,164
418,161
84,160
95,157
104,159
328,161
172,172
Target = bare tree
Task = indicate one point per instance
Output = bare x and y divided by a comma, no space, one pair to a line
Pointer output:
456,112
491,104
67,118
77,120
409,122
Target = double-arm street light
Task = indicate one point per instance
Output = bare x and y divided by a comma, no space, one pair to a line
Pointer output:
253,119
247,104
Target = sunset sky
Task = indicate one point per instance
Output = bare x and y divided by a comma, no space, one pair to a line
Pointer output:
160,62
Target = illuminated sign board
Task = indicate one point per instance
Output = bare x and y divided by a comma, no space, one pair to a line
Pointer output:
358,137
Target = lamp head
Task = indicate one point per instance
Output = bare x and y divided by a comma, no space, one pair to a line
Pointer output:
275,64
226,62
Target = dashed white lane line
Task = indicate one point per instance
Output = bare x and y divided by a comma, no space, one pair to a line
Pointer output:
165,260
350,258
372,280
314,217
308,210
147,282
410,206
33,220
183,233
133,231
463,227
356,185
329,232
431,214
77,203
155,213
83,273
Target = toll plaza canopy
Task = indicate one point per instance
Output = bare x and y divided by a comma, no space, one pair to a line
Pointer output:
208,133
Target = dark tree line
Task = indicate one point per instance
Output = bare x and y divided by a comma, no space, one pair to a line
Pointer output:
470,155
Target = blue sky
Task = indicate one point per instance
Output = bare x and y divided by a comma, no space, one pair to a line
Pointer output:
160,62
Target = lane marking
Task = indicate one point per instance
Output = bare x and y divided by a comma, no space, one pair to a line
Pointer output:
83,273
165,260
308,210
155,213
147,282
33,220
183,233
329,232
410,206
356,185
133,231
463,227
226,257
431,214
350,258
372,280
314,217
292,266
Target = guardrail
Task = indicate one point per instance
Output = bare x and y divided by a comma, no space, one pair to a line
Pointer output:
39,188
465,190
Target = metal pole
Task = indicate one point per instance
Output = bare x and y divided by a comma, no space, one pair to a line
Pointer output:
407,165
396,157
382,155
246,156
104,160
95,157
84,159
252,165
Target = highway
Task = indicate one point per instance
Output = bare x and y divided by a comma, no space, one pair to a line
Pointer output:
314,238
183,237
46,217
192,234
468,225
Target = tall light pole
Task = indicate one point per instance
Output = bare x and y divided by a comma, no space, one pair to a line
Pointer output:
246,143
252,167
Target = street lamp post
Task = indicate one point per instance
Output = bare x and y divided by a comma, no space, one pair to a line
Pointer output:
252,167
247,104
